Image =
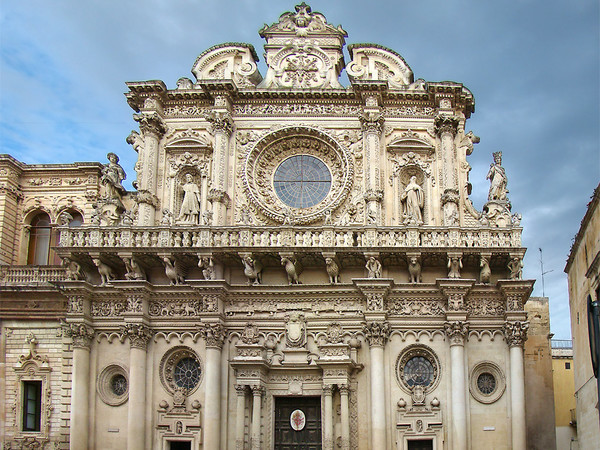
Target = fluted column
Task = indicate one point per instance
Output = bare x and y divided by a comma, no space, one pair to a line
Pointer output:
446,127
80,400
139,335
257,392
328,417
152,128
516,334
377,334
214,334
222,128
457,332
240,416
345,415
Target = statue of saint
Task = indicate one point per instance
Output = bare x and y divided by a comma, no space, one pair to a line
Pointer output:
112,177
497,177
190,207
413,200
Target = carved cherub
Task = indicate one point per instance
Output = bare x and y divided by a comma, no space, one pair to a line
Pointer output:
333,270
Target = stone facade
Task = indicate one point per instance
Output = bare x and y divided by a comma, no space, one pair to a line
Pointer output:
564,394
289,239
583,270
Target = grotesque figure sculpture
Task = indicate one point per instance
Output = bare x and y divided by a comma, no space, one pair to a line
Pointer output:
373,267
290,269
252,270
454,266
105,271
486,272
414,270
333,270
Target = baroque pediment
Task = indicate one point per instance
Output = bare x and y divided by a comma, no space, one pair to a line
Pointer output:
229,61
372,62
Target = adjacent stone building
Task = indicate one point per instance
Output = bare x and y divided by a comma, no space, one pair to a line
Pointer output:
583,270
300,264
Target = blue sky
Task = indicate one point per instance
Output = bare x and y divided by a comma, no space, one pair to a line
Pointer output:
532,65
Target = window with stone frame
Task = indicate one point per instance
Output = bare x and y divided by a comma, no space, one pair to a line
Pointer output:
31,405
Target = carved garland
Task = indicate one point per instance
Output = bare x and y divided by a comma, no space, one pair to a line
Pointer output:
266,155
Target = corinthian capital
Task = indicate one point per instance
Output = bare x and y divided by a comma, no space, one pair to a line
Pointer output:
456,331
515,333
371,122
80,333
221,121
138,334
446,124
214,334
377,333
150,123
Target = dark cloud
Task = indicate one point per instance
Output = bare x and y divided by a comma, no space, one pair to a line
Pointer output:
532,65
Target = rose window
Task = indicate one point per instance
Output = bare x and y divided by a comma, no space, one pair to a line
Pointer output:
187,373
418,371
302,181
418,365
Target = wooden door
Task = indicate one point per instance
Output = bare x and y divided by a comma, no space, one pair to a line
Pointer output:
308,419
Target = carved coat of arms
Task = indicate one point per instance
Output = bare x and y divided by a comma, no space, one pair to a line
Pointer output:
295,330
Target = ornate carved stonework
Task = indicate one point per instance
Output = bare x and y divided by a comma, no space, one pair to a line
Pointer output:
377,333
446,124
515,333
80,333
138,334
456,331
214,334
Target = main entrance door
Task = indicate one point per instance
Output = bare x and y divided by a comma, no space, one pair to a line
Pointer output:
297,423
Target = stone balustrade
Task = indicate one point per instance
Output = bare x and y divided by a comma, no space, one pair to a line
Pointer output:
257,237
31,275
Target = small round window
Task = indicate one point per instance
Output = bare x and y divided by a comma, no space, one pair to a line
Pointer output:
118,384
112,385
187,373
487,382
302,181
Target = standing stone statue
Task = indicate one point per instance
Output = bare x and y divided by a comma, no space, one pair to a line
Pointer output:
190,206
373,267
112,177
413,200
497,177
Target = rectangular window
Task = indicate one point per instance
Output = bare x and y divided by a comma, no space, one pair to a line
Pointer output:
32,405
567,365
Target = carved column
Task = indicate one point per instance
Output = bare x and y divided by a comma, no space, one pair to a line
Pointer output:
139,335
257,392
222,128
446,127
516,334
328,417
240,416
372,125
152,128
345,415
377,334
214,335
80,399
457,332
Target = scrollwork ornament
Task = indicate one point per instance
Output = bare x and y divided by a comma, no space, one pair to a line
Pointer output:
515,333
377,333
250,335
456,331
138,334
214,334
334,333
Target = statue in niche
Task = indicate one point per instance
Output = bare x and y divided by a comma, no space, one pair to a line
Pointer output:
373,267
190,206
498,180
112,177
413,201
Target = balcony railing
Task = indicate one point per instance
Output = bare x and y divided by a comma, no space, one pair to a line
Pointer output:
31,275
288,237
562,343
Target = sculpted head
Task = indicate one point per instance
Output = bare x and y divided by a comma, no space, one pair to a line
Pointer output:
113,158
189,178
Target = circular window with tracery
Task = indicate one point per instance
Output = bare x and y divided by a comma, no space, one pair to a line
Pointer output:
113,385
418,366
302,181
487,382
180,368
297,175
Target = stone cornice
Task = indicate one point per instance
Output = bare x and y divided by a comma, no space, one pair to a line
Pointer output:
592,208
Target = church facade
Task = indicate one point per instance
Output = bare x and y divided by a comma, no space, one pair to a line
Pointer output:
300,266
